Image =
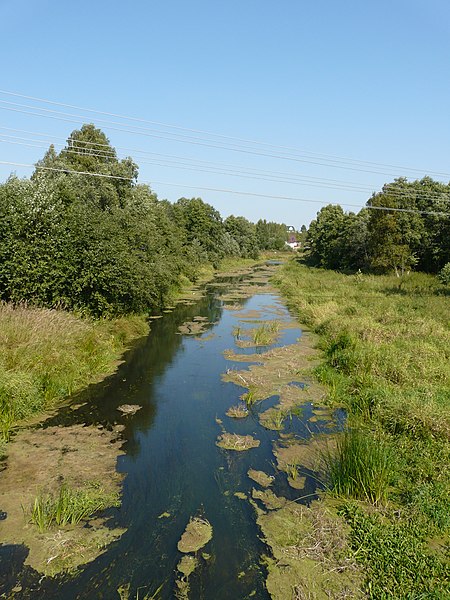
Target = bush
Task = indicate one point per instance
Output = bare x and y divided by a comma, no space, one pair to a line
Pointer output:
444,274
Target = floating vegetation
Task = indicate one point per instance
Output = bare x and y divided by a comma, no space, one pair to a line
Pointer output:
187,565
164,515
240,411
278,372
197,534
270,500
233,441
129,409
260,477
194,327
311,554
309,455
240,495
321,414
272,418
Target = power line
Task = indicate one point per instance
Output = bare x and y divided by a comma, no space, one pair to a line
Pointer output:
222,190
197,141
212,134
80,150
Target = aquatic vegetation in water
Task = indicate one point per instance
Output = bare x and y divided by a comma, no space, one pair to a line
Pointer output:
260,477
187,565
272,418
240,411
197,534
270,500
194,327
129,409
233,441
311,554
69,506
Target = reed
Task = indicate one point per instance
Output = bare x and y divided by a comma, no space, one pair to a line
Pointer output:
70,506
361,467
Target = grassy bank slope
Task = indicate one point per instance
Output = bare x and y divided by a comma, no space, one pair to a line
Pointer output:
49,354
386,350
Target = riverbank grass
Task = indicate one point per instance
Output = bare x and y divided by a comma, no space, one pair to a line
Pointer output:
47,355
385,343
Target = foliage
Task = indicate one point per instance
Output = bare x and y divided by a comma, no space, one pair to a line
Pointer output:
395,554
444,274
270,235
102,244
384,240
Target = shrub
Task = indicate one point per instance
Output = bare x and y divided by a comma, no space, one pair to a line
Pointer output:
444,274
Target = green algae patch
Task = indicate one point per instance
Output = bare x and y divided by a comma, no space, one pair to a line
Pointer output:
237,412
311,554
290,452
277,371
187,565
197,534
260,477
240,495
270,500
164,515
297,482
194,327
239,443
39,462
129,409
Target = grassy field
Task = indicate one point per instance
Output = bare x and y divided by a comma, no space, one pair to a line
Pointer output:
385,343
47,355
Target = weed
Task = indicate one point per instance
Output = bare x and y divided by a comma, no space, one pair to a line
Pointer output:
69,507
249,397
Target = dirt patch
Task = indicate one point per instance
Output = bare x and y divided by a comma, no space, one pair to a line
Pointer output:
40,460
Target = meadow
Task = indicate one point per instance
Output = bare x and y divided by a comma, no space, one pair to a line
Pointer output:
385,347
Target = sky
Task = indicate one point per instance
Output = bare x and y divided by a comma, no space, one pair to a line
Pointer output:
265,109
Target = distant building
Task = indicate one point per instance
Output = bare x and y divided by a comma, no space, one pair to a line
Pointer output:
292,242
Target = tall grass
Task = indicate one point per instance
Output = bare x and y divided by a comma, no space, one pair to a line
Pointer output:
386,356
361,467
69,507
46,355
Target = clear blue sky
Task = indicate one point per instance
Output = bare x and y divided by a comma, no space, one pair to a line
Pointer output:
365,80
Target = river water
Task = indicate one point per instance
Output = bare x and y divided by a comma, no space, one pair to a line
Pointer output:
172,464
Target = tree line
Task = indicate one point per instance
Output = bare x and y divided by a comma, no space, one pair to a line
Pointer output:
380,240
105,244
